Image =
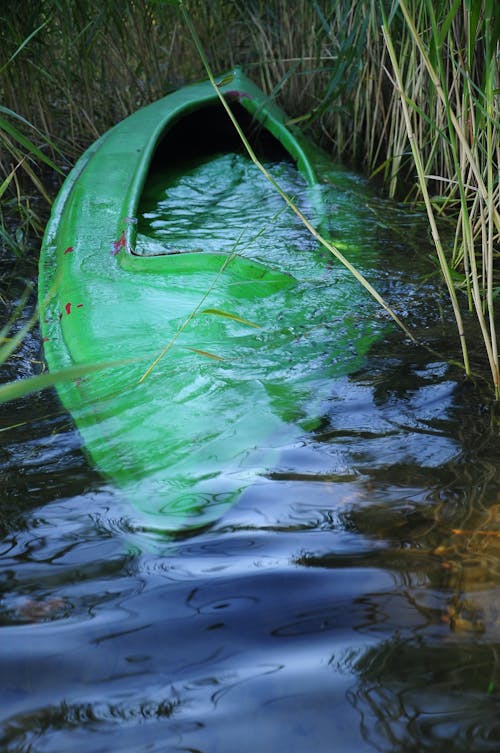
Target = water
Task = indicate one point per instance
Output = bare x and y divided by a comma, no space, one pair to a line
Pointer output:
347,602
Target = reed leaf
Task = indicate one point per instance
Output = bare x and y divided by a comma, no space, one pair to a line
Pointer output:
233,317
206,354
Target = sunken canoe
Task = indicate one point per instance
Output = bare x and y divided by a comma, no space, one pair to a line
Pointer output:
211,346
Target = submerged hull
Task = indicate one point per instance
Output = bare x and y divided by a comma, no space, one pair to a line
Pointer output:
212,357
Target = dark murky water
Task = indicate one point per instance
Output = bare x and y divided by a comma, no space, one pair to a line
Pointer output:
347,602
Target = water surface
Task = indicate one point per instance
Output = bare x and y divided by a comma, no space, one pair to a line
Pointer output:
348,601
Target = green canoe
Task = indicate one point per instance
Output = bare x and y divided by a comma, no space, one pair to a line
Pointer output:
217,321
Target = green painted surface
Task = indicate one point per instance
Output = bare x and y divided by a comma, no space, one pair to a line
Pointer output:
216,410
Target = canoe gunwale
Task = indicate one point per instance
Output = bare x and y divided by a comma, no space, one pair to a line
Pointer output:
264,111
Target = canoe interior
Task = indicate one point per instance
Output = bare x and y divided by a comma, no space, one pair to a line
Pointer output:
208,130
201,137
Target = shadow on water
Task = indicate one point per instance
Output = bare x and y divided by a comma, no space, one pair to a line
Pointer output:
347,602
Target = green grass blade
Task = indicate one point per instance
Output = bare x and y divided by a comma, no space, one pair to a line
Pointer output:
446,24
16,134
23,387
11,113
23,45
8,179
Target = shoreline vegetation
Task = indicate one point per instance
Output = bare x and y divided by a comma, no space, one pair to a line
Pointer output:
406,91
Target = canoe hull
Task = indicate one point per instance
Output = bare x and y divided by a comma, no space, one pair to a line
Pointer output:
203,376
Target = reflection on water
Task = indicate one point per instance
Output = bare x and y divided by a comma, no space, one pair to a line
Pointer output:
347,602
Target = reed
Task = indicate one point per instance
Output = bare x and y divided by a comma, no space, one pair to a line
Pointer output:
452,125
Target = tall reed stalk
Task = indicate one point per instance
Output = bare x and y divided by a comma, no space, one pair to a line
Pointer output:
453,129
